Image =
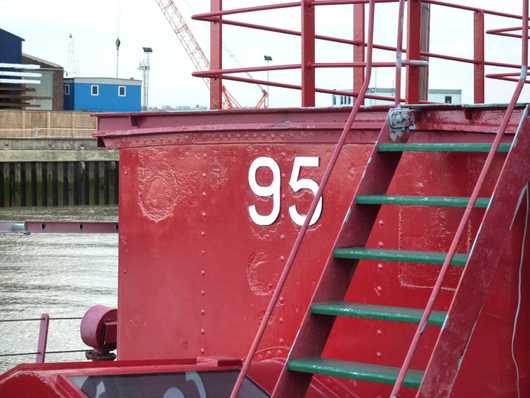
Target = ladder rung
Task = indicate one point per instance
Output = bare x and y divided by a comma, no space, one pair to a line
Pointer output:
354,371
404,256
441,201
440,147
379,312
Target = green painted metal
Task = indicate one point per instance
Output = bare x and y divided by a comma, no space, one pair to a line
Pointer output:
354,371
440,147
367,311
441,201
404,256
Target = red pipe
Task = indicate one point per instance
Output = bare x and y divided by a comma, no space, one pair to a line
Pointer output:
474,9
399,52
216,58
479,78
506,79
359,17
222,72
468,60
516,36
43,338
210,15
503,30
308,74
353,65
467,213
359,43
289,86
347,2
297,33
301,234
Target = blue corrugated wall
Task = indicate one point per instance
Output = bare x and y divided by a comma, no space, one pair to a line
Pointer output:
10,48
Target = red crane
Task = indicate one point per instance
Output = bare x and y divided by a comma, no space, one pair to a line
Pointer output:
195,52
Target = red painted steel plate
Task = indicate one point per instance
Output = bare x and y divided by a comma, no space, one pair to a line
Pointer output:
196,271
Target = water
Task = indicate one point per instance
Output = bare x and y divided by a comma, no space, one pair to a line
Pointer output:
60,274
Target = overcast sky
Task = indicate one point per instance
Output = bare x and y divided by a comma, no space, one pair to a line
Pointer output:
95,24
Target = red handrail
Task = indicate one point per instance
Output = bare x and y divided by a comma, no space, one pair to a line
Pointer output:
399,52
309,90
301,234
467,213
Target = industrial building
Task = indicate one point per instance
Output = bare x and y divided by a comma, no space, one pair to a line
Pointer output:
10,47
102,94
48,94
12,93
27,82
441,96
39,84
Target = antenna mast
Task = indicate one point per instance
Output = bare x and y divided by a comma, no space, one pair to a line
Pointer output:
71,63
145,67
118,43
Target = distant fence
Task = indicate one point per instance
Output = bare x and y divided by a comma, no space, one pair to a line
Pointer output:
43,124
49,158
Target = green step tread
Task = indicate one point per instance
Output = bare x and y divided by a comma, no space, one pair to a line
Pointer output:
379,312
442,201
406,256
440,147
354,371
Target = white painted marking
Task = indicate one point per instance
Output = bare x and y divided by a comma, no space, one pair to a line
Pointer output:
19,74
304,183
274,189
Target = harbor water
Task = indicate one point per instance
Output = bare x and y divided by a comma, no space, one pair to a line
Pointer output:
59,274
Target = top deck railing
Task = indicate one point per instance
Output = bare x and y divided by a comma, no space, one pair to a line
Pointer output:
416,92
416,48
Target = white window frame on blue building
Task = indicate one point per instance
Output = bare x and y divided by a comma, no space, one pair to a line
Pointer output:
120,94
96,93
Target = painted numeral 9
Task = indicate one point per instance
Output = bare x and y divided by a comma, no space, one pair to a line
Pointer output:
274,189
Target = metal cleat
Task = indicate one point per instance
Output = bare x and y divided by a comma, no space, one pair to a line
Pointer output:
400,122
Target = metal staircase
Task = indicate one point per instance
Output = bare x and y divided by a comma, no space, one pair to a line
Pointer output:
327,304
455,325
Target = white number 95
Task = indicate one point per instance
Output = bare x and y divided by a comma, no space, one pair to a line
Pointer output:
274,189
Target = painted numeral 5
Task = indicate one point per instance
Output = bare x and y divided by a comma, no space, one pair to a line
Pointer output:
274,189
304,183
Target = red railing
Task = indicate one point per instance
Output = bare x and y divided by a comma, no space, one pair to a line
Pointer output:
414,94
301,234
308,66
471,204
44,324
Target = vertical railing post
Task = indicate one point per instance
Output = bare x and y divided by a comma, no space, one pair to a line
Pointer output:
216,56
308,53
418,23
358,49
479,56
43,338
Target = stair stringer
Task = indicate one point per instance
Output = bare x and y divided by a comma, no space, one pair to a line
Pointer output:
474,286
336,276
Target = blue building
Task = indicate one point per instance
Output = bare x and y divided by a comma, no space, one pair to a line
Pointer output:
10,48
102,94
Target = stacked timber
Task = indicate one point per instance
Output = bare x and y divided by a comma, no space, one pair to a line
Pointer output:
15,85
15,97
